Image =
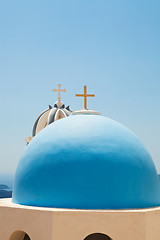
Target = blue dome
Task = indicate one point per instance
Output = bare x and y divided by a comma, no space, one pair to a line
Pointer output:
86,162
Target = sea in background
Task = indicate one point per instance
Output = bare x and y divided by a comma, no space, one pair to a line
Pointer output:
6,185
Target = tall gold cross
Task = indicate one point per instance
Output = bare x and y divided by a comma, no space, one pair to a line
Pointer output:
85,95
59,90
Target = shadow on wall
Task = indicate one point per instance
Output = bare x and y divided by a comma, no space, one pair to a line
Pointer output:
98,236
19,235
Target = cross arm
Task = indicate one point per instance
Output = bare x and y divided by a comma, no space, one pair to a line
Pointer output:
90,95
79,95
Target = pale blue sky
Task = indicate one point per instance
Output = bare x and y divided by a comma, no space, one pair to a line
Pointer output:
111,46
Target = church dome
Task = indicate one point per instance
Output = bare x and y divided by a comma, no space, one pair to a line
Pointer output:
50,115
86,162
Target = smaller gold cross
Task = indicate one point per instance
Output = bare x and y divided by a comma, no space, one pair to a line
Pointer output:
85,95
59,90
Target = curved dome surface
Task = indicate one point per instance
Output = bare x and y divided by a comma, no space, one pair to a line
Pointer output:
86,162
50,115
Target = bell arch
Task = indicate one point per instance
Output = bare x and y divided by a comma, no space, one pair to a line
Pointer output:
98,236
19,235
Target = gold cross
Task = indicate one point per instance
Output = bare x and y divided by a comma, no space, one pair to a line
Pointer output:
59,90
85,95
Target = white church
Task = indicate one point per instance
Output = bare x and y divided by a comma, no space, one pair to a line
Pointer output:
82,176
